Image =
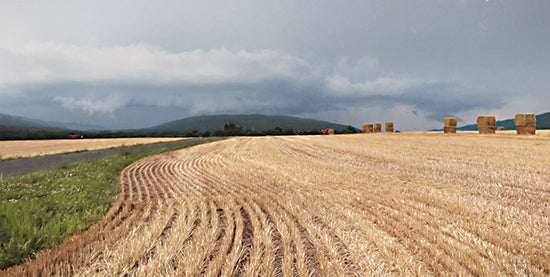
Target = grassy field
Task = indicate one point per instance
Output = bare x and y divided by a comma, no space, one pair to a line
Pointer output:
33,148
40,210
357,205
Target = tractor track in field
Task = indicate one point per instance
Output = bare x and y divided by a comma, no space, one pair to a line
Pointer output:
298,206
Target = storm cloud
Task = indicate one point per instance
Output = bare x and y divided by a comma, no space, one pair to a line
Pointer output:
352,63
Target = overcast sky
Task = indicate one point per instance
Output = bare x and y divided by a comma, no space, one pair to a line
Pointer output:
128,64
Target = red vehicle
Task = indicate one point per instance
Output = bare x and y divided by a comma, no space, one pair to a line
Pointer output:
76,136
328,131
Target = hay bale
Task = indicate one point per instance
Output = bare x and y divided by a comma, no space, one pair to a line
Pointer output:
486,124
368,128
526,123
377,127
331,131
389,127
500,128
450,121
450,125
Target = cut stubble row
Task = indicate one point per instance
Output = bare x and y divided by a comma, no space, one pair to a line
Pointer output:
323,206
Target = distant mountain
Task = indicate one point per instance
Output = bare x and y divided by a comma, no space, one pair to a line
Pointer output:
543,122
19,122
253,122
17,127
22,123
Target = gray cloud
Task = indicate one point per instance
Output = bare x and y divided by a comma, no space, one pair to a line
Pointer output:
448,99
110,100
350,62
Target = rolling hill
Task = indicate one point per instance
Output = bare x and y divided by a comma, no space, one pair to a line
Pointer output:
253,122
17,127
543,122
22,123
18,122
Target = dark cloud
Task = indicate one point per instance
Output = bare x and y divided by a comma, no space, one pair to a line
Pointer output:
446,99
129,105
335,61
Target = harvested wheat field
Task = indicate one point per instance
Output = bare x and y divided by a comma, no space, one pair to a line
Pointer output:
33,148
360,205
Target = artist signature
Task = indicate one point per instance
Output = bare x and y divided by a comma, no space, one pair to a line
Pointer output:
518,262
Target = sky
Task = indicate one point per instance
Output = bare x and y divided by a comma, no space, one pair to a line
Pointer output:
132,64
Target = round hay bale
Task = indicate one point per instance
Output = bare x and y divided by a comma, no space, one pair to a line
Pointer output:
389,127
526,123
331,131
486,124
377,127
450,125
500,128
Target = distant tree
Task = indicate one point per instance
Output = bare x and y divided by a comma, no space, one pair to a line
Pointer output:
275,131
192,132
219,133
349,130
288,131
313,132
255,133
230,129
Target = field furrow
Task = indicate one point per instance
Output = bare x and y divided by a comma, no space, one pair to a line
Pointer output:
354,205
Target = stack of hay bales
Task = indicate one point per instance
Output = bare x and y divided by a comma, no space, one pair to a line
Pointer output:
450,125
331,131
501,128
486,124
526,123
377,127
367,128
389,127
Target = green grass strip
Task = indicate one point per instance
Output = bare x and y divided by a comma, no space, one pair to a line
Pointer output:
40,210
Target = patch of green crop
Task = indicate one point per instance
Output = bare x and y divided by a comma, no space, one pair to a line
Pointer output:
41,209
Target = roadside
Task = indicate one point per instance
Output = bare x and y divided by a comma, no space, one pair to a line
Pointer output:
16,149
9,168
39,210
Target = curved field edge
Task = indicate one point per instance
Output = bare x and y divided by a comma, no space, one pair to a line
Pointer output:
357,205
40,210
17,149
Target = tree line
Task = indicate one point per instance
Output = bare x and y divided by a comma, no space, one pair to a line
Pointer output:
229,129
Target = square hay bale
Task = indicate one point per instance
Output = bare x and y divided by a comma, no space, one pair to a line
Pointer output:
389,127
500,128
331,131
526,123
450,121
368,128
486,124
450,125
377,127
